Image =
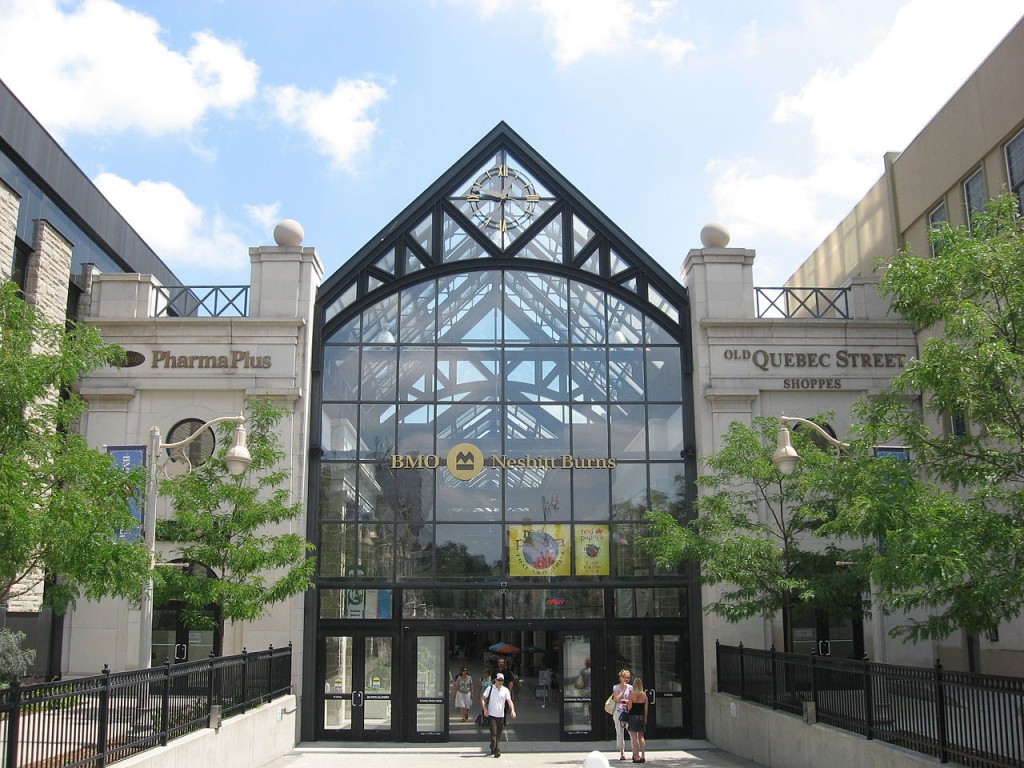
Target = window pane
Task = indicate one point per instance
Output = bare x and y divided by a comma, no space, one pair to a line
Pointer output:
475,500
416,374
419,306
341,373
346,549
376,431
625,373
590,431
587,313
476,424
537,430
665,431
625,323
452,604
337,489
470,374
664,374
338,431
469,308
628,431
415,430
589,374
537,374
536,308
416,548
628,560
380,322
469,552
629,491
668,488
590,499
379,373
415,495
537,495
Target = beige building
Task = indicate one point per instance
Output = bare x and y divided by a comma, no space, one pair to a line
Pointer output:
971,151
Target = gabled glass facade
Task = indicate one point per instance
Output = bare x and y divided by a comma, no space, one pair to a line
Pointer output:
503,391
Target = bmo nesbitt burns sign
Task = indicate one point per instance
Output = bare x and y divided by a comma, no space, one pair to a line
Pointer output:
465,461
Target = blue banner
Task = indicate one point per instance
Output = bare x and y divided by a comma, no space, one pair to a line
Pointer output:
129,457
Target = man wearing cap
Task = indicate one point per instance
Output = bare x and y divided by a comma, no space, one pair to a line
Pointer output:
494,701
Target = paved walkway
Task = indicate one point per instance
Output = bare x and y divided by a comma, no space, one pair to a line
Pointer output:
679,753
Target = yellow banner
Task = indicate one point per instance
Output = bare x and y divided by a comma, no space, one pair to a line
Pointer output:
591,545
538,550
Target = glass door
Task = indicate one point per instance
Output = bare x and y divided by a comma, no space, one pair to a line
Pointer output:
430,697
174,642
576,683
356,675
660,661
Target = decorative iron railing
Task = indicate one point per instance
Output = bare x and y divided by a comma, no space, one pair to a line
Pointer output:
814,303
97,720
970,719
201,301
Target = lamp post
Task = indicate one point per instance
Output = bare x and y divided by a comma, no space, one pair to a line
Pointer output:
786,459
237,458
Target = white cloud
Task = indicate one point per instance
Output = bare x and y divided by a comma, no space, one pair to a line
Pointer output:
181,232
264,215
338,122
855,116
581,28
99,67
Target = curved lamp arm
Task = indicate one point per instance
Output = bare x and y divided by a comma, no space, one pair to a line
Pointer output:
785,456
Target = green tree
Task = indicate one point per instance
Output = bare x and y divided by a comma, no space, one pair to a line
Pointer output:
756,532
14,660
950,520
227,523
63,505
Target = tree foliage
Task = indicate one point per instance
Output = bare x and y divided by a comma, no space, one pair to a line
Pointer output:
14,660
63,505
757,530
227,524
950,521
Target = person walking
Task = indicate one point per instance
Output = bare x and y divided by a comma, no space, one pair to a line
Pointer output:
620,695
637,721
462,691
494,702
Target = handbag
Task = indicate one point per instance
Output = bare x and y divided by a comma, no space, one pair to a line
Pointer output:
480,720
609,705
624,716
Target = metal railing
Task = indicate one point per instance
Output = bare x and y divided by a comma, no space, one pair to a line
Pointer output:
201,301
813,303
970,719
97,720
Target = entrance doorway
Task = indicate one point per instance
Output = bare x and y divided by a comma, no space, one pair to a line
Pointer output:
356,680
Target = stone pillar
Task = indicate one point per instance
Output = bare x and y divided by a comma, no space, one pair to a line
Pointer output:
49,272
284,277
9,205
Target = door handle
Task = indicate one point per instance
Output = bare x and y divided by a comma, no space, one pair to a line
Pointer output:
357,698
651,695
180,652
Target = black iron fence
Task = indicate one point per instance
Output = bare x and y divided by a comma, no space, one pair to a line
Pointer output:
971,719
97,720
812,303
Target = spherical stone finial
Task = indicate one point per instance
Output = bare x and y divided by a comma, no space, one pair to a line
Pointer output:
714,235
289,233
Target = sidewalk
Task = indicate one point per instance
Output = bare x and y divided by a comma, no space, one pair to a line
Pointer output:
671,753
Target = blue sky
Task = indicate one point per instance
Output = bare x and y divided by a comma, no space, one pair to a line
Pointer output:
205,122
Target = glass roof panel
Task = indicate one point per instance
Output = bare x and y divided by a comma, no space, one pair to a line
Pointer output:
593,263
662,303
341,302
386,262
413,263
617,264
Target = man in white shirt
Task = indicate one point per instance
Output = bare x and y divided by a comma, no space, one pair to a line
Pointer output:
494,701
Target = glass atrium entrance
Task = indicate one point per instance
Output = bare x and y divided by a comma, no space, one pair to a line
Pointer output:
502,389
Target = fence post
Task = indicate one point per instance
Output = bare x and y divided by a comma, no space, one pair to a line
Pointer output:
211,685
814,680
718,664
103,719
869,704
245,679
940,714
13,722
165,705
743,676
775,682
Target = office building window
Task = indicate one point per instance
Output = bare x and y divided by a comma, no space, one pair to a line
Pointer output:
1015,164
938,215
974,194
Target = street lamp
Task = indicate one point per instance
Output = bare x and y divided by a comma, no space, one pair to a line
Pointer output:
785,456
237,458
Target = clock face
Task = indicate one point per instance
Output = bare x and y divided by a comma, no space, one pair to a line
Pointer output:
503,198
